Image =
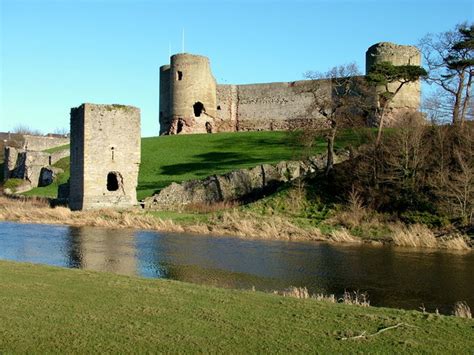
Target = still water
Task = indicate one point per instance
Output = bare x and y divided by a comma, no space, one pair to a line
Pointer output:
392,277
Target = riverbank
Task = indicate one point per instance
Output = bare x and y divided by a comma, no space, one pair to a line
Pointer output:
48,309
230,222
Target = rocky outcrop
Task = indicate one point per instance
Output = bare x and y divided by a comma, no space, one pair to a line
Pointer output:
239,185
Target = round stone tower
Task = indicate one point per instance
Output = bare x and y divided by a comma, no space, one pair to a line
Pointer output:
408,98
192,94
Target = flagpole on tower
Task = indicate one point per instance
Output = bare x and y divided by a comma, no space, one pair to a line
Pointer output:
183,42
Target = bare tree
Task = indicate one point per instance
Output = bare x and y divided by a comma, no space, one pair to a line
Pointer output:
449,57
340,97
23,129
452,170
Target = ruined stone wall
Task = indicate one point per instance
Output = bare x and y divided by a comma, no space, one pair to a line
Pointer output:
105,156
29,142
269,106
227,108
273,106
39,143
20,163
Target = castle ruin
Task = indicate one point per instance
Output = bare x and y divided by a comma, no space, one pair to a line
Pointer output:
192,102
105,156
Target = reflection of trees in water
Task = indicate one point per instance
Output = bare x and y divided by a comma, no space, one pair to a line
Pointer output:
74,256
106,250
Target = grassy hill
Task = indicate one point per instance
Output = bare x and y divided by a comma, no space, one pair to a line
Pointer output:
169,159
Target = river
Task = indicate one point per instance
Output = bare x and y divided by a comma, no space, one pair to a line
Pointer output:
392,277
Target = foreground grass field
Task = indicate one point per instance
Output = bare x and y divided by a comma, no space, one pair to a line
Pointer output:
45,309
169,159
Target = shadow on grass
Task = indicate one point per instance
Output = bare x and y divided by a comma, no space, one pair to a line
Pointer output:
208,163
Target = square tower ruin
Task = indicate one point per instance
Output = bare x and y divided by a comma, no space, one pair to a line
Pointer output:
105,156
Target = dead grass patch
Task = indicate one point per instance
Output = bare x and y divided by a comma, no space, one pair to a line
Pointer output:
343,236
417,236
247,224
420,236
454,242
355,298
462,309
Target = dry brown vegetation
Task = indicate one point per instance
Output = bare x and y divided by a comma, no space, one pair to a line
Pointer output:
244,225
420,236
231,222
419,168
354,298
343,236
462,309
247,224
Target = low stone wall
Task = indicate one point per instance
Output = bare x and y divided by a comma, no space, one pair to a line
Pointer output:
39,143
240,185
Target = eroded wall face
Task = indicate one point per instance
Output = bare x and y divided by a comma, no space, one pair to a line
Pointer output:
273,106
105,156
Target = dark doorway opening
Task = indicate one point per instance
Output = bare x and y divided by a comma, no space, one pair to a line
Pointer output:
208,127
112,181
179,126
198,109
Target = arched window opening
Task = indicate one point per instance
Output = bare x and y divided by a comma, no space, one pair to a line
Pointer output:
198,109
112,181
218,107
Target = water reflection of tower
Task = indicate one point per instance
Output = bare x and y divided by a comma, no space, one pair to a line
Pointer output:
106,250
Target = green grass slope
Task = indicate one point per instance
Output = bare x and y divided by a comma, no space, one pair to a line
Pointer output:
169,159
45,309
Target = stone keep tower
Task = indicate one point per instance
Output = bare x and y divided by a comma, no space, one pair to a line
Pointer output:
187,95
408,98
105,156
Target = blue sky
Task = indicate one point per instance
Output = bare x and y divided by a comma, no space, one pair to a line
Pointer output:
55,55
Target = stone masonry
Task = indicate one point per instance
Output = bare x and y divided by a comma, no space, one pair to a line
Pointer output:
105,156
191,102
